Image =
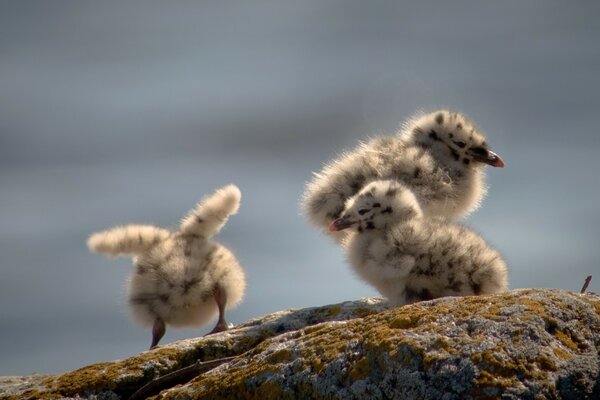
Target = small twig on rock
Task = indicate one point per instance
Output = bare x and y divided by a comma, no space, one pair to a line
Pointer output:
586,284
178,376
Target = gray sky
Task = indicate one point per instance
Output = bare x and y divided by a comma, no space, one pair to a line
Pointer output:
129,112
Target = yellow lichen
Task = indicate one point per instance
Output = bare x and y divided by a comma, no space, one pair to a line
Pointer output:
546,363
492,380
565,340
279,356
312,329
403,322
317,364
360,369
562,354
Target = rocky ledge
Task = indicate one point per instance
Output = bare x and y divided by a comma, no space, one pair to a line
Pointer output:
531,343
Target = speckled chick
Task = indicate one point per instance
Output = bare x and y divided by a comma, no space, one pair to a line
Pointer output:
438,155
409,257
181,277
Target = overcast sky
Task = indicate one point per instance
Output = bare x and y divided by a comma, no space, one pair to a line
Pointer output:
119,112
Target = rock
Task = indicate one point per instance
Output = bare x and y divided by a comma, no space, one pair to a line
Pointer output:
532,343
15,385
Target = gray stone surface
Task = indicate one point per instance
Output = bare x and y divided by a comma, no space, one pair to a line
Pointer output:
523,344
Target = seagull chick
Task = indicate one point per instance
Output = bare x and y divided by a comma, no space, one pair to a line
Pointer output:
438,155
182,277
409,257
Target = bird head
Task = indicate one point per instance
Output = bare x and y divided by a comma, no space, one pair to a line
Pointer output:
453,138
377,206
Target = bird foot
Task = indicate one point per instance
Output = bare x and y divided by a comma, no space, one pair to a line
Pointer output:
220,327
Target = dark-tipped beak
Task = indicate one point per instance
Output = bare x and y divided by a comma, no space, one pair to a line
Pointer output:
494,160
488,157
341,224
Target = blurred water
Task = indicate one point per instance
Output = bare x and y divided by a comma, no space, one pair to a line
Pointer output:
115,113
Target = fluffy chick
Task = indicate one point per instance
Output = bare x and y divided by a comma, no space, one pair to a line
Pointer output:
409,257
181,277
438,155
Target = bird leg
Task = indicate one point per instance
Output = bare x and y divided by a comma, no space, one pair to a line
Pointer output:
158,331
221,299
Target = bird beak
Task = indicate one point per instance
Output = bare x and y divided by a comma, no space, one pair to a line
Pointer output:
341,224
489,158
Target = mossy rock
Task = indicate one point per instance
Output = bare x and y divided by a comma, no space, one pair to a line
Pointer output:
532,343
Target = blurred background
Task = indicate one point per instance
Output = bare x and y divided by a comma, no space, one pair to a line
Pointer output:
129,112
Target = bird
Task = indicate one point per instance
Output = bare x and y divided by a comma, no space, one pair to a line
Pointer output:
438,155
409,257
181,277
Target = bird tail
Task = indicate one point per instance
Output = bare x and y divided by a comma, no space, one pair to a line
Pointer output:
126,240
212,213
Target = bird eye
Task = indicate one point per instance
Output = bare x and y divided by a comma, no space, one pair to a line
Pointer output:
362,211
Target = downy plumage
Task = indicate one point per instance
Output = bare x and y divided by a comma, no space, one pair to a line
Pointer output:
181,277
408,256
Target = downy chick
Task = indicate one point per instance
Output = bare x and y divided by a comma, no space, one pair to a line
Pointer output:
181,277
409,257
